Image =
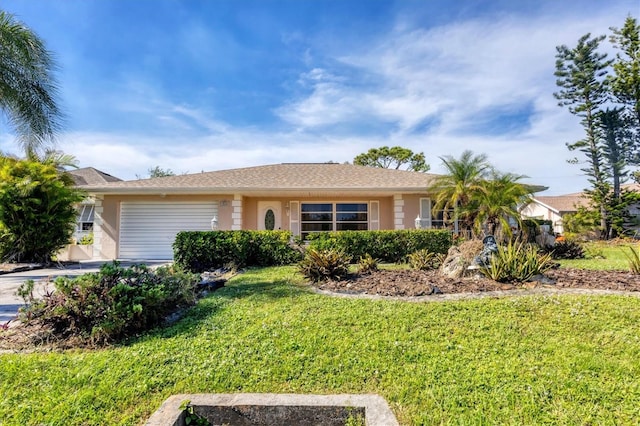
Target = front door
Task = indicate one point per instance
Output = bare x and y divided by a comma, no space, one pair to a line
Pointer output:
269,215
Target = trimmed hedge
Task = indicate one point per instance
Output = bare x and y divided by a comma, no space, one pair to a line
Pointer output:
199,251
387,246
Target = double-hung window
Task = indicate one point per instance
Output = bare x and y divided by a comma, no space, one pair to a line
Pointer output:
319,217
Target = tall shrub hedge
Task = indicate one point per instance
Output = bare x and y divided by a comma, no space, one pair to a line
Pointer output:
387,246
199,251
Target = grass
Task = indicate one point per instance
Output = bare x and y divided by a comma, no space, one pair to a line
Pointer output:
603,255
522,360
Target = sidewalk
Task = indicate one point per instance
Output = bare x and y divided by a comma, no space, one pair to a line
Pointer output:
9,283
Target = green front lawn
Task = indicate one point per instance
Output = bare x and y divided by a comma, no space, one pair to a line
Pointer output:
603,255
521,360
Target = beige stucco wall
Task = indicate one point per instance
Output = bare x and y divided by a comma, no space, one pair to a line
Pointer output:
107,245
250,208
411,209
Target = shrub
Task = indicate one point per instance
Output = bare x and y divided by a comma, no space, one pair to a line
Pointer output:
86,240
199,251
112,303
37,212
320,265
387,246
516,262
564,250
425,260
367,264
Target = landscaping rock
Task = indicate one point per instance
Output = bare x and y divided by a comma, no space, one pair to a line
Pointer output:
542,280
454,264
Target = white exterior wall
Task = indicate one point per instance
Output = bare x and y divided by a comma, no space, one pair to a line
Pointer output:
538,211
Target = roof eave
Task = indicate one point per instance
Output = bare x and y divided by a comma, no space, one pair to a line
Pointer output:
246,190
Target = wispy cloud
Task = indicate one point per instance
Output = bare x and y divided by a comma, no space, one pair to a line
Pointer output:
484,84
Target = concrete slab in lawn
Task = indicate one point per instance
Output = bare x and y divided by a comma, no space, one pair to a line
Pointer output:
271,409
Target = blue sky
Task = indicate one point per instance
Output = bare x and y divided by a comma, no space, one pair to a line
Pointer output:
207,85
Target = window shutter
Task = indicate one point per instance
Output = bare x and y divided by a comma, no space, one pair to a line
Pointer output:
294,217
374,215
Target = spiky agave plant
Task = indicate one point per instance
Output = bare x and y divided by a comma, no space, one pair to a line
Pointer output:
516,262
634,260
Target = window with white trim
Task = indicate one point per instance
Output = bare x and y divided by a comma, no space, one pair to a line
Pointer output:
84,220
322,217
85,217
435,219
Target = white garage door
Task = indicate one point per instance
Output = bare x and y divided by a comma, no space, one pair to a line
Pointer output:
148,229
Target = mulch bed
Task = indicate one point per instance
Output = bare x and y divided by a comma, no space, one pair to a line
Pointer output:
412,283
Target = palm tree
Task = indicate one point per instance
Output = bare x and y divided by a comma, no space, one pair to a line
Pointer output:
454,191
28,89
498,201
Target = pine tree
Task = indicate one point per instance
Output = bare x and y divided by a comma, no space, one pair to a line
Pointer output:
581,73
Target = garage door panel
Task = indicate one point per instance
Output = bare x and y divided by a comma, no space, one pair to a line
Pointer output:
148,229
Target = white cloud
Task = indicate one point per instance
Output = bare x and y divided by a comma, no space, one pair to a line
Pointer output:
454,75
423,86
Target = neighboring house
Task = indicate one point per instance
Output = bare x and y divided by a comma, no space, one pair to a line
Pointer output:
554,208
139,219
88,176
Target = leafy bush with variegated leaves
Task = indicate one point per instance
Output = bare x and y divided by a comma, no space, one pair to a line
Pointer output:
321,265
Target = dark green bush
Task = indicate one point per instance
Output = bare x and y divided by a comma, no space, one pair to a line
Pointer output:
324,264
565,250
199,251
113,303
387,246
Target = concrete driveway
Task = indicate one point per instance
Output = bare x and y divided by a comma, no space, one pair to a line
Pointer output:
9,283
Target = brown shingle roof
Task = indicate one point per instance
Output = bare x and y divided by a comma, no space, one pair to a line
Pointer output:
631,187
279,177
88,176
567,203
564,203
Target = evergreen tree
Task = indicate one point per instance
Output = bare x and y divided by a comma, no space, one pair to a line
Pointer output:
581,73
37,209
625,81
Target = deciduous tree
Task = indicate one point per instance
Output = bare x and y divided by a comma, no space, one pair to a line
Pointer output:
157,171
393,158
